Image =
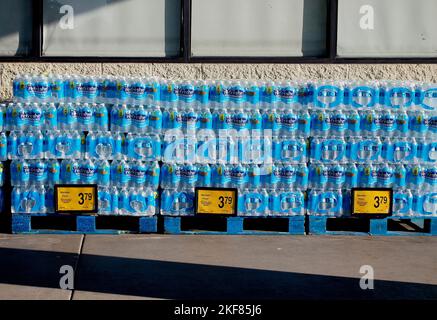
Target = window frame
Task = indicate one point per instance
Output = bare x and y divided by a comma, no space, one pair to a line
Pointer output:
185,47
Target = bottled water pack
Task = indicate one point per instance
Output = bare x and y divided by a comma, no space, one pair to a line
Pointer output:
104,145
292,176
142,147
367,149
83,116
25,145
62,144
363,133
127,201
51,116
66,144
32,199
135,174
35,172
136,118
315,94
85,171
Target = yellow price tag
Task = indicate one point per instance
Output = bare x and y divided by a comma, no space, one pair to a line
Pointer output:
372,201
216,201
76,198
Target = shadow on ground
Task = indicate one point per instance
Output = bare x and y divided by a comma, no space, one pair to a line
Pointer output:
174,280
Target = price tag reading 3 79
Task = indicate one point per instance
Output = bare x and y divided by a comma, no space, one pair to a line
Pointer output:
76,198
216,201
372,202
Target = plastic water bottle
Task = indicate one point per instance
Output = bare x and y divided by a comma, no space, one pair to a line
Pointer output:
432,126
351,176
320,124
103,173
402,123
87,171
122,90
41,88
338,122
222,118
252,101
189,118
400,176
121,118
68,117
76,89
419,121
101,118
53,172
85,116
385,175
140,119
363,94
153,173
152,91
221,175
367,176
398,94
110,90
18,87
430,184
137,90
169,93
50,116
57,88
426,94
353,123
35,116
370,122
155,119
171,118
3,147
327,94
90,89
219,94
289,120
240,117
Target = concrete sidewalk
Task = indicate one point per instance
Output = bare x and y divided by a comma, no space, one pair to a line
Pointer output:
222,267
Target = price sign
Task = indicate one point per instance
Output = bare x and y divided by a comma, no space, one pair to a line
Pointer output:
218,201
76,198
372,202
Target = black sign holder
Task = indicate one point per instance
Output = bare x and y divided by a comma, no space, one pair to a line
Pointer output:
372,215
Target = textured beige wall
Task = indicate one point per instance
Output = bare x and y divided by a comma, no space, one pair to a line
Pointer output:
420,72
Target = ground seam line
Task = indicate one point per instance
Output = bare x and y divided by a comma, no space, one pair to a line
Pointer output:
82,241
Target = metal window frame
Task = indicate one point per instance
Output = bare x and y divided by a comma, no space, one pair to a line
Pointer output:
185,56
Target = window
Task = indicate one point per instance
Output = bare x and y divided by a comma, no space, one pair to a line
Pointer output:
267,28
215,31
15,28
111,28
387,28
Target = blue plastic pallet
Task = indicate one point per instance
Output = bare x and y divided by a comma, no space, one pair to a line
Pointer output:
24,223
293,225
391,226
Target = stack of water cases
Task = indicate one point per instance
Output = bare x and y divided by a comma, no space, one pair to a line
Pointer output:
373,134
59,133
235,134
287,146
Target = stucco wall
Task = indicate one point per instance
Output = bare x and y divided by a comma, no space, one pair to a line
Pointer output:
420,72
